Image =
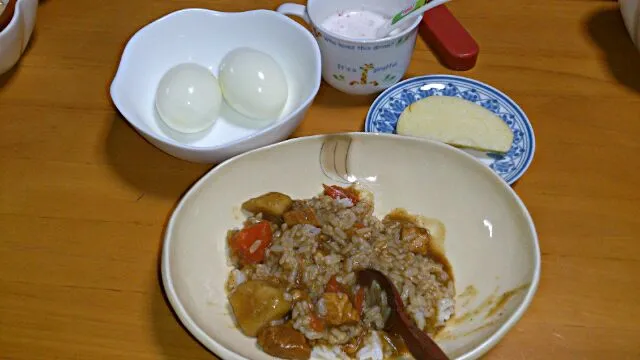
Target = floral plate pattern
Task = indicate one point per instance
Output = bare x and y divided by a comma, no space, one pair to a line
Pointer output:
386,109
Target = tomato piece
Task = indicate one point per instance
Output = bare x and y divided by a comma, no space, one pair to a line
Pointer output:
337,192
316,323
333,286
358,225
250,243
359,300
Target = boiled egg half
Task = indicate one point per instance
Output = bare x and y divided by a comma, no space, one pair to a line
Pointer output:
188,98
253,84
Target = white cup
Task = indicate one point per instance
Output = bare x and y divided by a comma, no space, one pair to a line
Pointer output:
358,66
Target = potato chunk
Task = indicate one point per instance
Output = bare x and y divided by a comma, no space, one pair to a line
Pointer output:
338,309
417,239
272,205
301,213
256,303
285,342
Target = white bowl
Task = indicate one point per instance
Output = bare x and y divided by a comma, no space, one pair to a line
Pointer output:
490,240
205,37
15,37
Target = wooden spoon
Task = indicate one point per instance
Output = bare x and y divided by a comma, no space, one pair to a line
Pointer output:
420,345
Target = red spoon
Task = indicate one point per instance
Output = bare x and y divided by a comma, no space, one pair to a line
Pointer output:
448,39
421,346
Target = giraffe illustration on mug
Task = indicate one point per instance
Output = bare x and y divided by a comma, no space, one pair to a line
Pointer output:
364,76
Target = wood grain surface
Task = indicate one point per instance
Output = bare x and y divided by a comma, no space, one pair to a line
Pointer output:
83,198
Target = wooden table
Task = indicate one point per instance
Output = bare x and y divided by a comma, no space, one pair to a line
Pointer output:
83,198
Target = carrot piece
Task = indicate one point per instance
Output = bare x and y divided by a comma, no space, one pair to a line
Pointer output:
338,192
333,286
358,225
316,323
250,243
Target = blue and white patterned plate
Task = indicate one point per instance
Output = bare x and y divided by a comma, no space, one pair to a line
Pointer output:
386,109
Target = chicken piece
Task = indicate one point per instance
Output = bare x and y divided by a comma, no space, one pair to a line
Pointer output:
400,216
272,205
256,303
301,213
417,239
299,295
338,309
283,341
351,348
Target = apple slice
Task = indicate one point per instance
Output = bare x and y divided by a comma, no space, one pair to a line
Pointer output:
457,122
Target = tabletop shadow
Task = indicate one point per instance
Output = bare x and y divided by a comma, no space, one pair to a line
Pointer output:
607,30
146,167
7,77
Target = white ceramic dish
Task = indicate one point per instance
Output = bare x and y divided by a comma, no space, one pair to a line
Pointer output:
491,240
205,37
15,37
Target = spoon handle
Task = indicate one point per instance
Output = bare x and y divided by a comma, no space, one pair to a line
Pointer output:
448,39
404,13
401,18
421,346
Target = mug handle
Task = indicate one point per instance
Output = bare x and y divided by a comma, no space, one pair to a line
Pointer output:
295,10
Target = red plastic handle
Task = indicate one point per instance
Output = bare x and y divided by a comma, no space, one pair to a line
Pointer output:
448,39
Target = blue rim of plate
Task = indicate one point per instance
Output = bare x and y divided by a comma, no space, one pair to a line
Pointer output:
386,109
